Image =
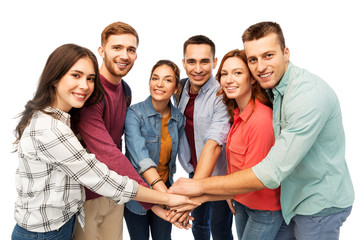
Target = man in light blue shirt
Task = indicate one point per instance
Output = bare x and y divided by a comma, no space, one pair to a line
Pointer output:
308,158
207,124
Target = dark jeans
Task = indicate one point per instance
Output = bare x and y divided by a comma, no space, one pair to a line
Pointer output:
212,217
64,233
138,226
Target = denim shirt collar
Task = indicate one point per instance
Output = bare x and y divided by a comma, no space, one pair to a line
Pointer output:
284,81
150,110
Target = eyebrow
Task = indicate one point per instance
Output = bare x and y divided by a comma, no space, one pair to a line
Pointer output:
120,45
164,76
78,71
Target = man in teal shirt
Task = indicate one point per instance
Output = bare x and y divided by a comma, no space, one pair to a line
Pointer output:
308,157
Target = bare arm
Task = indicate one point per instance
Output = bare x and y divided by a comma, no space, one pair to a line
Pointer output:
150,176
207,159
236,183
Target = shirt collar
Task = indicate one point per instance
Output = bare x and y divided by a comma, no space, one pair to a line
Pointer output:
60,115
284,81
150,110
247,111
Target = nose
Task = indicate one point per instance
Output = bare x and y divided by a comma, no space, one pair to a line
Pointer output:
124,54
228,79
83,83
160,83
261,65
198,68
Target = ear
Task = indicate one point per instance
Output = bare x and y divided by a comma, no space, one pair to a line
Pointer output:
101,52
286,54
177,88
215,63
252,80
183,62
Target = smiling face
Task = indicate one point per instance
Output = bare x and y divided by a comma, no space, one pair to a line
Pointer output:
266,60
236,81
119,55
76,86
198,63
162,84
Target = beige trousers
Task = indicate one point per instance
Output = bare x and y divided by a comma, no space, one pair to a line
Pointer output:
103,220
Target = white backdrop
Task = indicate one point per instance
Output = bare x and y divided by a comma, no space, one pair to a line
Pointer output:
322,36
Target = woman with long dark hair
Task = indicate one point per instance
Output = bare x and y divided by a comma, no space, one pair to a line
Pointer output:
53,165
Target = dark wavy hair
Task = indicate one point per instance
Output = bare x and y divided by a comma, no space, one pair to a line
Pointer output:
58,64
257,91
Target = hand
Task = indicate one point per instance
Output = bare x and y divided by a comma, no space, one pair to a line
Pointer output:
231,206
186,186
176,200
160,211
182,220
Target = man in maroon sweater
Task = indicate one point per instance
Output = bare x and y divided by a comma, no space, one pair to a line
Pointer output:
101,128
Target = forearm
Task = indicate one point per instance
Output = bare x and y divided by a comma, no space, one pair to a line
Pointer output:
207,159
151,196
211,197
152,175
236,183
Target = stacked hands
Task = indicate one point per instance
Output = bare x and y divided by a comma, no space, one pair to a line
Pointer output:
183,199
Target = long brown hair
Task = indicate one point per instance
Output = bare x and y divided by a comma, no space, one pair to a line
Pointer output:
58,64
257,91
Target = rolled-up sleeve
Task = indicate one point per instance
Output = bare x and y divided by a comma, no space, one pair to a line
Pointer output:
136,143
219,126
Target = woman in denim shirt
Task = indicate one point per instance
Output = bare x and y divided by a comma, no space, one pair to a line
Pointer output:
152,132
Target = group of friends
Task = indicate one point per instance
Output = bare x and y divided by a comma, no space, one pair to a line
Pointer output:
262,141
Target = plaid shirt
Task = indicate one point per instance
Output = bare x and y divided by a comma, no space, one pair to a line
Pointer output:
53,168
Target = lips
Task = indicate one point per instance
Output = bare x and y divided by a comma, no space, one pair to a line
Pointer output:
79,96
159,91
265,75
122,65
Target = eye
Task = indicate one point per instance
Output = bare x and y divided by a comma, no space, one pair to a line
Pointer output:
75,75
251,60
238,73
91,79
132,50
269,55
223,74
190,61
205,61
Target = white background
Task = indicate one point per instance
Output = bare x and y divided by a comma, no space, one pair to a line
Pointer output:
323,37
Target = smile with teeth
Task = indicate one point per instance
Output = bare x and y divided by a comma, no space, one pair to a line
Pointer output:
231,88
78,95
159,91
264,75
122,65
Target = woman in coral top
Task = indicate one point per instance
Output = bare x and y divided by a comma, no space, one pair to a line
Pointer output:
257,214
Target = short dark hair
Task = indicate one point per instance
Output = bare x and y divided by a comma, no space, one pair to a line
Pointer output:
262,29
200,39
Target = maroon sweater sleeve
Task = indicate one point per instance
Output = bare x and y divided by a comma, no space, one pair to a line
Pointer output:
99,142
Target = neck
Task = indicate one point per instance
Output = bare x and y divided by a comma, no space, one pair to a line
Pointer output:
243,102
161,107
194,89
109,76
